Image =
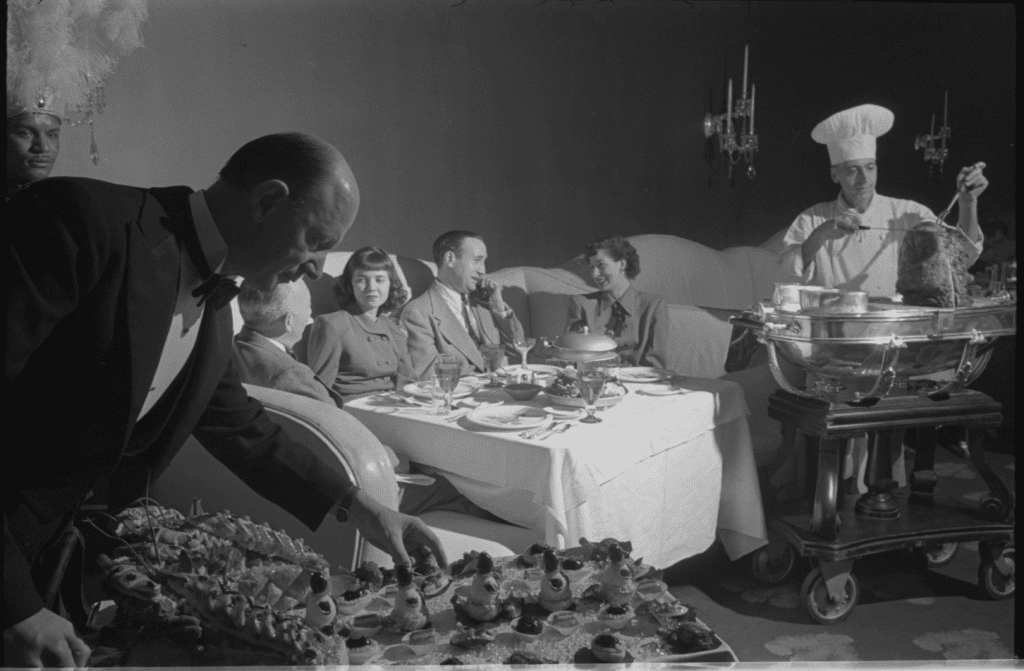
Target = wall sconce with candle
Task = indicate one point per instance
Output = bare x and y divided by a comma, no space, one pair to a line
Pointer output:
936,154
742,116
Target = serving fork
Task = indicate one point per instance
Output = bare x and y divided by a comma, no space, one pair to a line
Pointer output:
530,433
561,429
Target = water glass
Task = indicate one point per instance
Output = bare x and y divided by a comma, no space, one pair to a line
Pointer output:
492,355
437,397
591,385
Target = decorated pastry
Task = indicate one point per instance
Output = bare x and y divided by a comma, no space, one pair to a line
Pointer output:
452,661
410,611
534,554
651,589
689,637
608,648
615,617
617,586
484,601
320,606
366,624
670,613
565,622
422,641
555,592
525,657
468,638
528,628
361,649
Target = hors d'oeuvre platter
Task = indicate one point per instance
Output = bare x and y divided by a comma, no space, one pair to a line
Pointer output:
224,589
564,390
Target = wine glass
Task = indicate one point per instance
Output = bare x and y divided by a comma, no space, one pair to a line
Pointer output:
591,385
447,370
492,355
524,345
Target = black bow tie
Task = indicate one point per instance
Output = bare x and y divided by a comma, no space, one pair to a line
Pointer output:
618,320
217,291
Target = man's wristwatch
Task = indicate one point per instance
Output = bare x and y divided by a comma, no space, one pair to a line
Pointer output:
344,503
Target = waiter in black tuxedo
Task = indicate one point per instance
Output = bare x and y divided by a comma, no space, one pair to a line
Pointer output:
118,348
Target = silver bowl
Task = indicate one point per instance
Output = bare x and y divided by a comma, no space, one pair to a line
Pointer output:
877,350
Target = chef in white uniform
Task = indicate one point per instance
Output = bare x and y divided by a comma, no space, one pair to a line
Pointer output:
826,245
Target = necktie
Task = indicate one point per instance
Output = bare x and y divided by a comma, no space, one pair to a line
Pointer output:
618,320
217,291
468,316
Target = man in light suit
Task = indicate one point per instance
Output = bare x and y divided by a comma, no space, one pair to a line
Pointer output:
450,317
118,292
274,322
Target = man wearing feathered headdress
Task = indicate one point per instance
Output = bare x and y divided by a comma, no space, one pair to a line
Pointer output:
58,54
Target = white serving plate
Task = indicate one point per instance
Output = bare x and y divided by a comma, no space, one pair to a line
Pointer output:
641,374
422,389
509,417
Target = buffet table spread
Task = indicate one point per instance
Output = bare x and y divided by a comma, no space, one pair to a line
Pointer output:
666,471
213,589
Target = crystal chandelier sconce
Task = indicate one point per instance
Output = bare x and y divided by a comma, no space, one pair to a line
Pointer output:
735,128
934,144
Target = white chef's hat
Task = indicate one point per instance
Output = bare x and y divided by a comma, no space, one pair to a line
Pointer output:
851,134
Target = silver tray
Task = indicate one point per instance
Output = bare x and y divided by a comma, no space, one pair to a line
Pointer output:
875,352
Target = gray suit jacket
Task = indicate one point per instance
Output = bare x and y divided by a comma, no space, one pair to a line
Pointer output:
434,329
261,362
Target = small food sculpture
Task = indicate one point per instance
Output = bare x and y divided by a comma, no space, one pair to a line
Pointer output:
468,638
410,611
608,648
555,592
320,607
616,582
484,601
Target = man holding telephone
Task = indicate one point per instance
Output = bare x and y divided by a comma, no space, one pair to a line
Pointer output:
461,311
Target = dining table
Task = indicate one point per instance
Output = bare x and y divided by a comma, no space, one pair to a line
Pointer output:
670,469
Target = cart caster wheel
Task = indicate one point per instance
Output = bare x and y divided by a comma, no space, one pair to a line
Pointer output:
820,606
935,555
995,580
772,568
993,509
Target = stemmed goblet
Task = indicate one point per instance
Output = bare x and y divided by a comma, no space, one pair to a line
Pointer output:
591,385
447,371
524,345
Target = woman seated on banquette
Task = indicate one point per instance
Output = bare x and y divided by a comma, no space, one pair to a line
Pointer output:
637,320
361,349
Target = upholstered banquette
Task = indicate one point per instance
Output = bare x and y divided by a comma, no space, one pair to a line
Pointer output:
702,286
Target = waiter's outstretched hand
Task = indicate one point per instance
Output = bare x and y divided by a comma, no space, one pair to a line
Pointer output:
44,639
393,532
973,182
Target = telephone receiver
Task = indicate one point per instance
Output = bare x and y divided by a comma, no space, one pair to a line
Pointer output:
481,294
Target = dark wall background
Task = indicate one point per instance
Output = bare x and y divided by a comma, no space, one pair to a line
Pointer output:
546,125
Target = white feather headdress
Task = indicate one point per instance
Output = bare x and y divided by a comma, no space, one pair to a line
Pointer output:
60,51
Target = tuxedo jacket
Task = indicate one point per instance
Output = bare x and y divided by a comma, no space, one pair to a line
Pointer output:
92,279
261,362
434,329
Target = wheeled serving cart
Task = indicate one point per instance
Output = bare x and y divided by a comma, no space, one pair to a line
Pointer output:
869,376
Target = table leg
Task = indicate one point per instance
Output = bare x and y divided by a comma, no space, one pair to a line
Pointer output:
878,502
923,478
825,514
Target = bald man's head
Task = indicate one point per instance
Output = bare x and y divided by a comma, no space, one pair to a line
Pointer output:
282,202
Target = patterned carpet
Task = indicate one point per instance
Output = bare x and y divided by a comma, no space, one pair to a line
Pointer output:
905,613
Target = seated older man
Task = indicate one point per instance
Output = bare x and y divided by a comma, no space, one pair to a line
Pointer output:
452,316
274,324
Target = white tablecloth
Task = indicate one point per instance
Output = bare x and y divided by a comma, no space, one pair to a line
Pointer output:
665,472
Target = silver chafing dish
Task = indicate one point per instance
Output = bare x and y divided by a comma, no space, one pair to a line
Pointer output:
583,348
878,351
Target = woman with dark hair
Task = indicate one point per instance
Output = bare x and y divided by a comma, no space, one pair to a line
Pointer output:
637,320
360,348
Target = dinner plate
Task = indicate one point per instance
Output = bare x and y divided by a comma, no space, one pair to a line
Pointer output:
641,374
564,413
422,389
509,417
661,391
539,368
578,402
